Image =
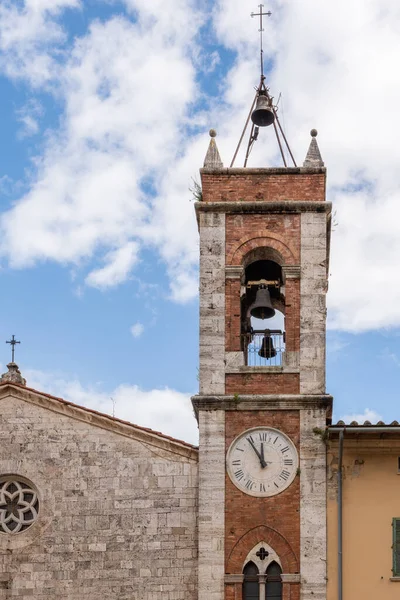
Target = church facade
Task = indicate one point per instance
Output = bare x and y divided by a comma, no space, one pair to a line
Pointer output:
92,507
267,506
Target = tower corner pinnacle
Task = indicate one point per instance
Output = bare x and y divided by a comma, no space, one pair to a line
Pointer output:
213,158
313,158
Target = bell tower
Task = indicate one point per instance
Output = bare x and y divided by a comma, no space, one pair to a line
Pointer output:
262,407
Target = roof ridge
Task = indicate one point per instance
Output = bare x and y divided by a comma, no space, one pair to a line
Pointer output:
98,413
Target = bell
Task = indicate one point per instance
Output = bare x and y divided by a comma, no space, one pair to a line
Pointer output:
262,307
263,115
267,349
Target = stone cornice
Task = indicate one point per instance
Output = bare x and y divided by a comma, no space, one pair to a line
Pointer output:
97,419
233,272
257,370
239,578
264,207
266,171
261,402
291,271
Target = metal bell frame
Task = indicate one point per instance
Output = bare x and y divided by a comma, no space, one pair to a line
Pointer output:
263,91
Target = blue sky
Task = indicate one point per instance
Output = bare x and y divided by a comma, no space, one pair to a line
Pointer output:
105,108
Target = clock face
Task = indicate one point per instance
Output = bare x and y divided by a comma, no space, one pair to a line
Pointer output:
262,461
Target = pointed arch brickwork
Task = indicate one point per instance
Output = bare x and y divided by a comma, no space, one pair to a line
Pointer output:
235,560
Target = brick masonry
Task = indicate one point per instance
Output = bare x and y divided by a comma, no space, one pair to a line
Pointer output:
262,383
118,516
275,520
263,185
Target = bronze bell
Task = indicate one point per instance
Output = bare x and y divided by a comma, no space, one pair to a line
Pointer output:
263,115
262,306
267,349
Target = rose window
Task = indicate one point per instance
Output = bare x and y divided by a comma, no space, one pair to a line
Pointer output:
19,505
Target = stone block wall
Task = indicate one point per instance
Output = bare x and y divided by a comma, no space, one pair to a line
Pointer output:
313,288
118,515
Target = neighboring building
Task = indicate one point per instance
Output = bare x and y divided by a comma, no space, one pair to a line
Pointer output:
367,488
94,507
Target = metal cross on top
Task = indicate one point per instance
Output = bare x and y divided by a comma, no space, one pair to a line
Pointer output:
261,14
13,341
262,554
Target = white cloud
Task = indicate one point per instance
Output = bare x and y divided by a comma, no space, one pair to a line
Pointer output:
323,70
30,37
368,415
128,89
137,329
120,134
28,117
156,409
119,264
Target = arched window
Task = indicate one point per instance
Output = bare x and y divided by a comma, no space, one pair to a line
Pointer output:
262,313
273,588
250,582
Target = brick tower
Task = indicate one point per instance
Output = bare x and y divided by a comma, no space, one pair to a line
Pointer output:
262,406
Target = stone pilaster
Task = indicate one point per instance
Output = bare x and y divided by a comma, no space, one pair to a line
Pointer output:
312,504
212,303
313,286
211,566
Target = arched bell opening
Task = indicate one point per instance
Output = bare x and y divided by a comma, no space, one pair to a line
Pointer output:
251,588
263,313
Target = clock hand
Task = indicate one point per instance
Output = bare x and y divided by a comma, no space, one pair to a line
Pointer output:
261,458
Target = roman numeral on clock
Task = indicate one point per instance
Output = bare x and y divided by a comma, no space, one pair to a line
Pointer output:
239,474
284,475
288,462
285,449
262,487
236,463
249,484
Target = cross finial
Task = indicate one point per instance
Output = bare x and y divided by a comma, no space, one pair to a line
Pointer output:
13,341
261,14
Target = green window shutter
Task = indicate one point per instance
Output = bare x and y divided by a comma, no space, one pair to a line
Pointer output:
396,547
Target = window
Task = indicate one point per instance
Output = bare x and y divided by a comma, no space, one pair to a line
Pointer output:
251,590
254,587
396,547
273,589
19,504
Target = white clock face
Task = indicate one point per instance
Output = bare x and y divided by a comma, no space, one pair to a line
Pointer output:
262,461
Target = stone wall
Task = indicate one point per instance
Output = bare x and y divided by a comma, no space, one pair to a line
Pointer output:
212,303
117,515
313,288
313,513
211,504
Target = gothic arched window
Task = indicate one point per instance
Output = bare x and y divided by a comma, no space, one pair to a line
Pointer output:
273,588
250,582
